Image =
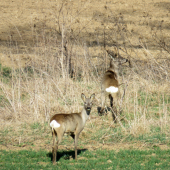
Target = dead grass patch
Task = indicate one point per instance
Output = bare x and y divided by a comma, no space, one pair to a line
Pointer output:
46,41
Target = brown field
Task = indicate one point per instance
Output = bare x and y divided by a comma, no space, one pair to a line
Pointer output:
37,41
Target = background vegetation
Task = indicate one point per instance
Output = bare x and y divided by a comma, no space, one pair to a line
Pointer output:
52,51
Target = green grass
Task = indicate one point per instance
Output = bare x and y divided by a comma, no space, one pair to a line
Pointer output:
41,131
3,99
153,99
5,72
98,159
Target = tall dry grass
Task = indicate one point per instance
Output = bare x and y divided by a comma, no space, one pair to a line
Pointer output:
60,65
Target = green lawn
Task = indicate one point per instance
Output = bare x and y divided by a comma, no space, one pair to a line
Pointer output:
98,159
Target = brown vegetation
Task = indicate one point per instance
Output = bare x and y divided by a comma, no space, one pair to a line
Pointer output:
57,49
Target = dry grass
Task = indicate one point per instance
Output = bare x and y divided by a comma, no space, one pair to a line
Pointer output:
43,43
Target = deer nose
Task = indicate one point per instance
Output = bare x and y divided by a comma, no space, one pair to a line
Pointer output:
88,108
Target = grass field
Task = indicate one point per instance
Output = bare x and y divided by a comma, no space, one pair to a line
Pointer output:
52,51
98,159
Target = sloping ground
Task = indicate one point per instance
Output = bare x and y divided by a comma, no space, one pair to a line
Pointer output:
100,135
27,26
33,34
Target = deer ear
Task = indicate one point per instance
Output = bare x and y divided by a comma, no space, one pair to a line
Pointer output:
83,97
92,96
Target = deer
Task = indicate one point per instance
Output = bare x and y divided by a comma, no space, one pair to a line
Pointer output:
71,124
110,82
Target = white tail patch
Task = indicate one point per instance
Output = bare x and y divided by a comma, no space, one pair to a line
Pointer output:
54,124
112,89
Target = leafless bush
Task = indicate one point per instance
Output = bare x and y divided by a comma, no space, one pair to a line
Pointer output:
68,60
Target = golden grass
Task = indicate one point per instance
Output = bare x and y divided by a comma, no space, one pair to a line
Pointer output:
38,39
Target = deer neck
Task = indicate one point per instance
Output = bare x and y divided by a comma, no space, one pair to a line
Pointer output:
85,114
114,68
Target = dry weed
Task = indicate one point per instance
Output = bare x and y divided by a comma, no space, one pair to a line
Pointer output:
53,64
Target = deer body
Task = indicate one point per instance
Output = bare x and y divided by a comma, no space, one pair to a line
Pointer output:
110,83
70,123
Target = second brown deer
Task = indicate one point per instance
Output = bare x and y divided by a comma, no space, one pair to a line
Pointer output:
72,124
110,82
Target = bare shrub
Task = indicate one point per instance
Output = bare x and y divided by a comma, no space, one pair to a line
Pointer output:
62,58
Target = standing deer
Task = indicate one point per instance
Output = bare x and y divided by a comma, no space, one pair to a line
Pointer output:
70,123
110,83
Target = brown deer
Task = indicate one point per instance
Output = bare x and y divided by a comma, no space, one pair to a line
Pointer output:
110,83
72,124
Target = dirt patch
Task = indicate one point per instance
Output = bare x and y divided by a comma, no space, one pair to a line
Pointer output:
115,146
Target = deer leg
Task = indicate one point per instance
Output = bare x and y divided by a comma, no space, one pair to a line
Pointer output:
102,103
75,143
113,107
54,147
111,100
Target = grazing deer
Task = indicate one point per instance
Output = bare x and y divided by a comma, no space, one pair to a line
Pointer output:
110,83
70,123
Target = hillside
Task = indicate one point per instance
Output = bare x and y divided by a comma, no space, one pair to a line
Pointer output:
52,51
